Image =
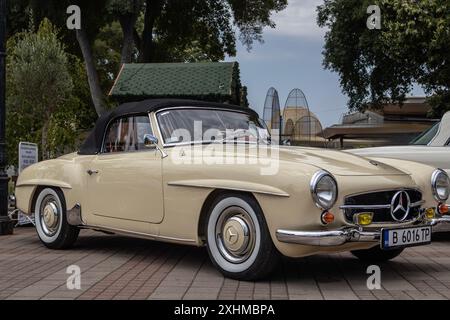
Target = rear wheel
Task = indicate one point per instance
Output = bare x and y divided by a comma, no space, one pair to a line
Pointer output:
376,254
238,240
51,222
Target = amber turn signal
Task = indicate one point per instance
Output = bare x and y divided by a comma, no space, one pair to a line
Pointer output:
327,217
363,218
430,212
443,208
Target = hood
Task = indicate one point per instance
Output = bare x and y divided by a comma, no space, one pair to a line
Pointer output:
337,162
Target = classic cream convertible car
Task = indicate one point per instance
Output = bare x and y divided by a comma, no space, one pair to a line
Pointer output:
200,173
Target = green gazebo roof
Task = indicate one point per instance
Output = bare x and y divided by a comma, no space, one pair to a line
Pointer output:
213,81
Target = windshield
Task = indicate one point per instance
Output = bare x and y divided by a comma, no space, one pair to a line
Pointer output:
209,125
425,137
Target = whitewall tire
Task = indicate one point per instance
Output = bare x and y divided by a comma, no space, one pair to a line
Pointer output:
238,240
51,221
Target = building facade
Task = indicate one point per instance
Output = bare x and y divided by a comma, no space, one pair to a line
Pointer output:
393,124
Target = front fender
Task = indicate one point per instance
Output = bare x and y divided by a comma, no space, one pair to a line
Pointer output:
419,172
57,173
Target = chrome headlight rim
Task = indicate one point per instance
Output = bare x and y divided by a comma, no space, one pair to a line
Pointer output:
434,179
313,188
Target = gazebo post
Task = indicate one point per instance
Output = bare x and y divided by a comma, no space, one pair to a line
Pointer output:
6,224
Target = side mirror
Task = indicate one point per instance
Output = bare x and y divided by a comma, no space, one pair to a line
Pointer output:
152,141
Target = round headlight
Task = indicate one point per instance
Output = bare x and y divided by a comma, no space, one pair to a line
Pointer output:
324,189
440,184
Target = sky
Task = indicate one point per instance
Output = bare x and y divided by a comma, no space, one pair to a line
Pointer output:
291,57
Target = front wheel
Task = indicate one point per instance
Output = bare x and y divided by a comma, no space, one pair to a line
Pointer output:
238,240
51,221
376,254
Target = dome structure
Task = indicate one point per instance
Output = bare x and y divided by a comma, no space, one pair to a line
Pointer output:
271,113
299,123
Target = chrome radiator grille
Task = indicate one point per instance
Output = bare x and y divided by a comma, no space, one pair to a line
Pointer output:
381,203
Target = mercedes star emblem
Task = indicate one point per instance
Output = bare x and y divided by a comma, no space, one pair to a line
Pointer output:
400,206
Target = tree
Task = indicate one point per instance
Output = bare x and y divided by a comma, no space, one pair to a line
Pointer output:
178,30
94,17
379,66
71,122
38,76
43,105
151,31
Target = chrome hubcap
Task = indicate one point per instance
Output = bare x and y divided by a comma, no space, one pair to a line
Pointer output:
235,234
49,216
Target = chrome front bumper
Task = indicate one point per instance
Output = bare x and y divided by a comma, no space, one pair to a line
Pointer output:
338,237
441,224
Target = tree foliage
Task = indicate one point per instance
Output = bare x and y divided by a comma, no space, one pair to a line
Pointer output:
377,66
55,74
162,28
43,104
123,31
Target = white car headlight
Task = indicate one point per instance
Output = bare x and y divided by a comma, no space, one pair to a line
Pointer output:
440,184
324,189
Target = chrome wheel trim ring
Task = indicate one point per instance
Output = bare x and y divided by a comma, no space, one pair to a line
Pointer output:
49,215
235,234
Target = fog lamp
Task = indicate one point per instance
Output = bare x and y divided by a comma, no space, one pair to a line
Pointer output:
443,208
327,217
430,212
363,218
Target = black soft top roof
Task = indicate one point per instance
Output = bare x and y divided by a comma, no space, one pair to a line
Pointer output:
92,144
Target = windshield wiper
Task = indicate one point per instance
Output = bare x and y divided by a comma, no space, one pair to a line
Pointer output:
240,133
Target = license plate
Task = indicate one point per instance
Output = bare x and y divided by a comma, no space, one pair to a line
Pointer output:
405,237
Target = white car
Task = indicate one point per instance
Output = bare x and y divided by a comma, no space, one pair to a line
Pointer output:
432,147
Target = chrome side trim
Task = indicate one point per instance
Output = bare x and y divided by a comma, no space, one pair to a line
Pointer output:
142,235
74,216
119,218
44,182
179,184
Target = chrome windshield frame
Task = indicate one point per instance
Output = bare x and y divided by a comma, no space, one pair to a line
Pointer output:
174,144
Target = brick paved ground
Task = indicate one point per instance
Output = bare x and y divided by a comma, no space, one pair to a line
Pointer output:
115,267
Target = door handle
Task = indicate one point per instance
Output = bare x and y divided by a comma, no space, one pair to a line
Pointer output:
91,172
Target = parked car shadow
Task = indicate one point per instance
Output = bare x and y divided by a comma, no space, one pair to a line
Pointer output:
318,269
441,236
